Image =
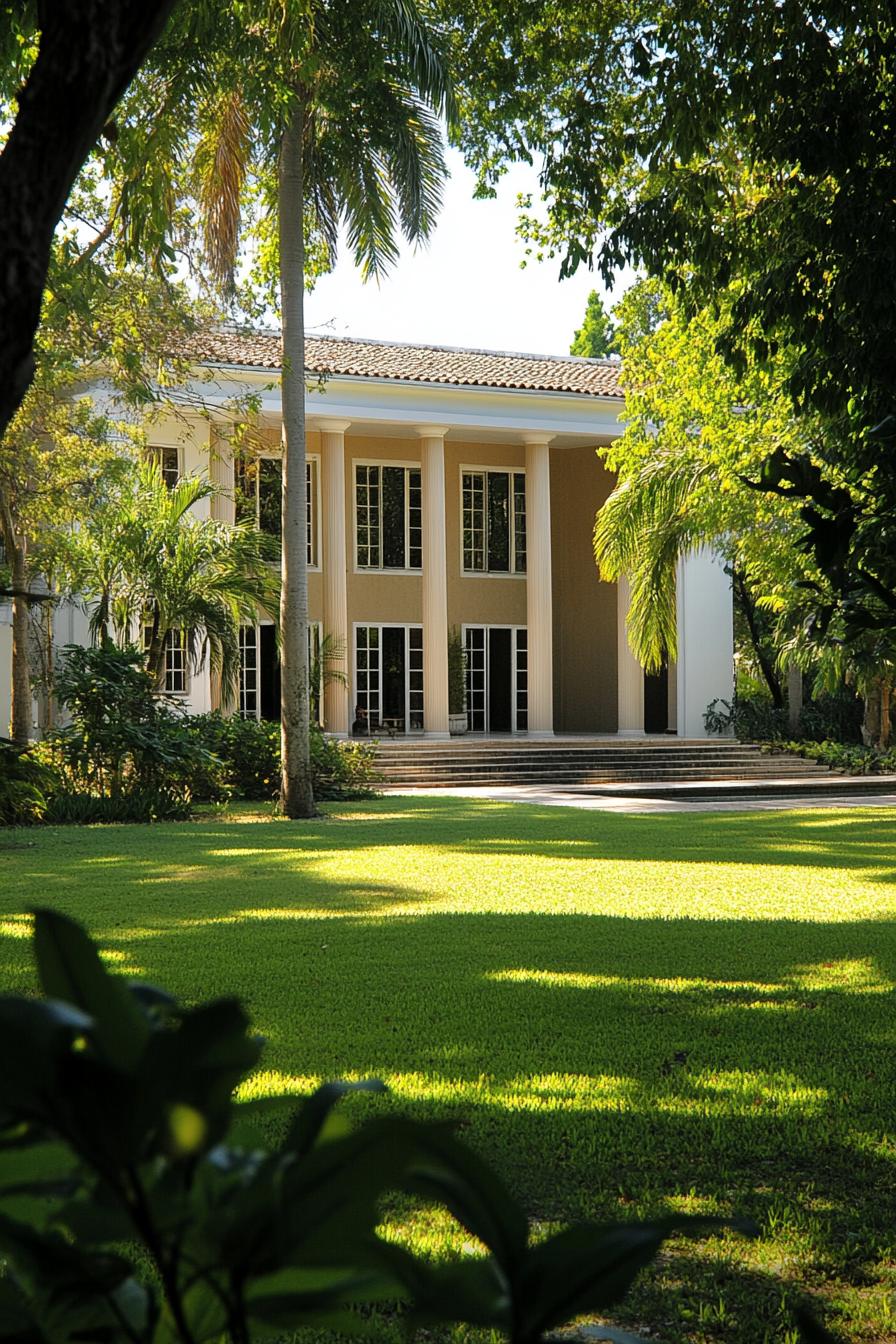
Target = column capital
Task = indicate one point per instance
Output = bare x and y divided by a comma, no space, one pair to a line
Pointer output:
431,431
326,426
535,440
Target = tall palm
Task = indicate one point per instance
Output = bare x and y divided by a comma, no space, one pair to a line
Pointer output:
145,562
335,105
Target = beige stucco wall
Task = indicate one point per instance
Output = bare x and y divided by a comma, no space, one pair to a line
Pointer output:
584,607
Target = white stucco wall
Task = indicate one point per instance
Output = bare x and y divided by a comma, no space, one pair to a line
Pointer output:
705,669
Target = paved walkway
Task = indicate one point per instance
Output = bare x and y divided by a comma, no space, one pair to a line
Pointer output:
548,797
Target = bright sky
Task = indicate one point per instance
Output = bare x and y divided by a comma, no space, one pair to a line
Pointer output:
467,287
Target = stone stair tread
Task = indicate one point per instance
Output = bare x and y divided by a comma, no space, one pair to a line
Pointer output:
604,763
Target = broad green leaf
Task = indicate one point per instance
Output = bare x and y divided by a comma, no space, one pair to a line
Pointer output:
70,969
311,1115
455,1176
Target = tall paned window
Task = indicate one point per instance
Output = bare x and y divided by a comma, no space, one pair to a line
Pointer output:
494,522
258,488
388,517
168,460
248,672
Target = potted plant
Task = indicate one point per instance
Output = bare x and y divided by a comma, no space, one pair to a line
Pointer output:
457,684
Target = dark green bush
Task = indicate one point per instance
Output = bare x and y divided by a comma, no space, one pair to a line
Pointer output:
755,718
845,758
25,784
130,1215
834,717
127,754
749,718
249,750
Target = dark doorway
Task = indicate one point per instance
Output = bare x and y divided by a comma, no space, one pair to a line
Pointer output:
500,677
268,673
394,677
656,701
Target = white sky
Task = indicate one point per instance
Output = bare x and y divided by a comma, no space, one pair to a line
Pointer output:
467,287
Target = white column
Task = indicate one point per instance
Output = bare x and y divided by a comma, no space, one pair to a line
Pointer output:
629,673
332,461
539,597
220,472
435,581
705,617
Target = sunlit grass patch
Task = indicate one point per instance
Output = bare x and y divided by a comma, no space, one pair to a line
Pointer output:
629,1015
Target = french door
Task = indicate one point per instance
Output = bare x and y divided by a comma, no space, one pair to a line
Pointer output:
389,677
497,678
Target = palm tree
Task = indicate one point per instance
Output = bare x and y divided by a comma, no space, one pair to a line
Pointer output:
144,562
334,106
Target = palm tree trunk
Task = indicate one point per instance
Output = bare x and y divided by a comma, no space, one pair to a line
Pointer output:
296,791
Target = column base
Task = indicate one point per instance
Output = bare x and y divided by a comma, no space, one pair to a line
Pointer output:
631,732
437,735
536,734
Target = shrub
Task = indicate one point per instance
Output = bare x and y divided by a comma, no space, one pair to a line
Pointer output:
753,717
750,718
846,758
142,1222
249,752
25,782
127,754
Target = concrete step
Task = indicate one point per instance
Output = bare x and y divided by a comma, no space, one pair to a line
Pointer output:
585,764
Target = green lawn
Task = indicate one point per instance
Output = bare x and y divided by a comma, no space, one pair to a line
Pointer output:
628,1014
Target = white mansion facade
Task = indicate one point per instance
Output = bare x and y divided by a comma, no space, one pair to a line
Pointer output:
448,489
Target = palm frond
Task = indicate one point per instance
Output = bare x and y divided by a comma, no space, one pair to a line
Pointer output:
222,160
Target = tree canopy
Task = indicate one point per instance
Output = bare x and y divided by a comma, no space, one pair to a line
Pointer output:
597,336
713,144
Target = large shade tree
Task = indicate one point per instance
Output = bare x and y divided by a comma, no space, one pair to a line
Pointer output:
711,141
63,68
298,118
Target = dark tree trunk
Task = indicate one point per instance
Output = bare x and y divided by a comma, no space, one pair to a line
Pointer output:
296,790
744,600
89,52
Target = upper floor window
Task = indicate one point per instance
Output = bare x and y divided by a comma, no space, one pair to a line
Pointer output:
388,517
168,460
494,522
176,679
258,486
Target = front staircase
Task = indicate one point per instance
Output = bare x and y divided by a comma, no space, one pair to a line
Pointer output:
578,763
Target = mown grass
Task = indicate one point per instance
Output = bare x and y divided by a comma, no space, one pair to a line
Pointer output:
628,1014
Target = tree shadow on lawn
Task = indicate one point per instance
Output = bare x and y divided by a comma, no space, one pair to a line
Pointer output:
602,1062
861,843
610,1067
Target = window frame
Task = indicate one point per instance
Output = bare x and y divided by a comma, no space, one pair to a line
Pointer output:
315,636
407,467
155,452
313,500
468,469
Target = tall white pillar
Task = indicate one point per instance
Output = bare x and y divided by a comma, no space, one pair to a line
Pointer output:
539,596
705,617
435,581
332,461
220,472
629,673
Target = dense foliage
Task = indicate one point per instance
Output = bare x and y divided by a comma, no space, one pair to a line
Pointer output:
247,760
24,785
125,755
730,147
118,1104
597,336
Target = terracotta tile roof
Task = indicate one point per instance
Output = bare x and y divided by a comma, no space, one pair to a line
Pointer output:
335,355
